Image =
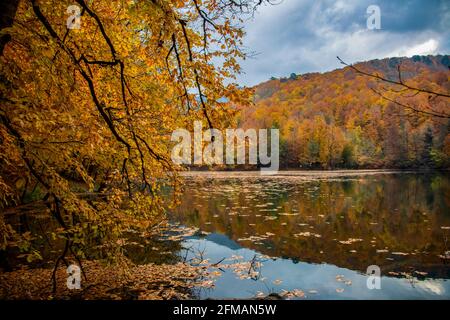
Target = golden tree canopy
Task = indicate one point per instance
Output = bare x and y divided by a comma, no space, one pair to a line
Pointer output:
87,113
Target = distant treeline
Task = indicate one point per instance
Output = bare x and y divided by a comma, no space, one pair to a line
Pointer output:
337,119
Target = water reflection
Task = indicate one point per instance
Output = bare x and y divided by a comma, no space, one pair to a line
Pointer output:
320,227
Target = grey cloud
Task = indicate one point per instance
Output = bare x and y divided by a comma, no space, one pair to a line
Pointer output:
306,36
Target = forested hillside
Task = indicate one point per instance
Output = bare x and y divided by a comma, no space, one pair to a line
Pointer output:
342,119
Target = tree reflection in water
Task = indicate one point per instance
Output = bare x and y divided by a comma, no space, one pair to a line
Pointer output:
396,221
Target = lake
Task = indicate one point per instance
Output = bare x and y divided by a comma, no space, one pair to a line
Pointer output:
312,235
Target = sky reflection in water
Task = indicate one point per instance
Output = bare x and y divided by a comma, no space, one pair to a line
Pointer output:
323,232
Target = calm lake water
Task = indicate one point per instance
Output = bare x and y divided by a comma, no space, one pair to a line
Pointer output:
316,233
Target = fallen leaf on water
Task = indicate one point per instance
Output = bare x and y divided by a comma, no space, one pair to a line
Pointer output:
277,282
340,278
307,234
298,293
400,253
350,241
446,255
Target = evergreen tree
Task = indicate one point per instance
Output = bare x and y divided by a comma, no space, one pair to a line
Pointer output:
427,148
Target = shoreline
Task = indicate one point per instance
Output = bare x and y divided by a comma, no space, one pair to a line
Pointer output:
340,173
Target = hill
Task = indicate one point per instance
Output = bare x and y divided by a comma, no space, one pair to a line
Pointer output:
338,119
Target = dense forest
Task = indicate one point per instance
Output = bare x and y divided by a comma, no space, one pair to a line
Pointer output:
90,92
343,119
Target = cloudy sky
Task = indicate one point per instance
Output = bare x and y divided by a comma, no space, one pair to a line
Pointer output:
306,35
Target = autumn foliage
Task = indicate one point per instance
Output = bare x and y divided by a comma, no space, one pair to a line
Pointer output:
86,114
342,119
